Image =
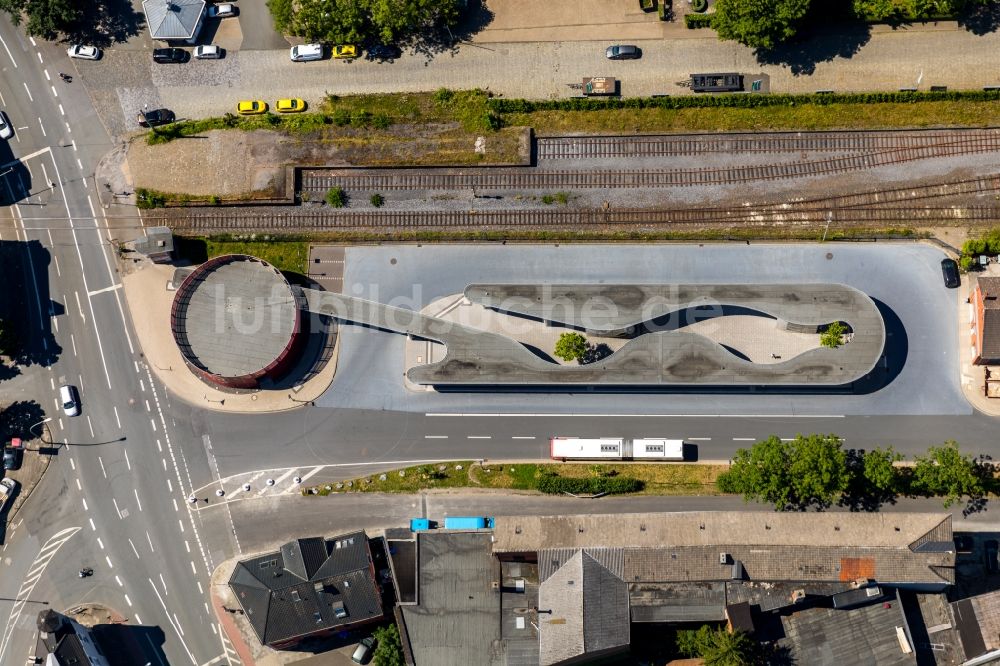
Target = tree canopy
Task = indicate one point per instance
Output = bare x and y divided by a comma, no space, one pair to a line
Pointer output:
719,647
362,21
389,651
759,23
810,470
946,472
571,347
45,18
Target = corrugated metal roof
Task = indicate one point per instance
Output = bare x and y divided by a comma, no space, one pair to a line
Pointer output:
173,19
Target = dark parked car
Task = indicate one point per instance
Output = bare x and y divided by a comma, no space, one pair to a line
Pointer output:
623,52
169,55
950,271
155,117
990,554
383,52
12,457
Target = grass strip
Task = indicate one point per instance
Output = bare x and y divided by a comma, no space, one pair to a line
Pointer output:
285,254
655,479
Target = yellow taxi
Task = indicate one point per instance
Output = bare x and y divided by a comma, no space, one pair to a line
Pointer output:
251,107
292,105
345,51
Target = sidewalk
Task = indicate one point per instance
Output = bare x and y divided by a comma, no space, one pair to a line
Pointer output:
149,301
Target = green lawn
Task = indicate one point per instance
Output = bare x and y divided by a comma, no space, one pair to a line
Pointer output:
662,479
799,117
285,255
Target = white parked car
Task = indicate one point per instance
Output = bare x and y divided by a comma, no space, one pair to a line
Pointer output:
305,52
83,52
208,52
6,129
69,399
224,10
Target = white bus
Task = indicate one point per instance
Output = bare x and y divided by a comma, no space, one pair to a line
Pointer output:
577,448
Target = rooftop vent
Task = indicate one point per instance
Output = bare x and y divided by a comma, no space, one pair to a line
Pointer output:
295,596
798,596
723,558
519,585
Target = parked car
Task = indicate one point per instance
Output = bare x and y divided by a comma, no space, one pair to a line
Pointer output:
8,488
171,55
623,52
383,52
224,10
208,52
305,52
6,129
950,271
12,457
83,52
70,400
345,51
251,107
990,550
291,105
363,653
155,117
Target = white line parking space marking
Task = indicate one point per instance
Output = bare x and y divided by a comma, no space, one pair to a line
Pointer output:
45,555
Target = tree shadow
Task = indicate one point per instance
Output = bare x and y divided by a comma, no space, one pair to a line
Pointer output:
596,353
815,45
475,17
17,419
107,22
860,495
980,19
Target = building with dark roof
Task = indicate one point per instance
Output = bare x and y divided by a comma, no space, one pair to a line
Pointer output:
157,244
986,321
310,587
65,642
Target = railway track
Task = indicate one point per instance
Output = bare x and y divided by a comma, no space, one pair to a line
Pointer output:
280,222
606,147
530,179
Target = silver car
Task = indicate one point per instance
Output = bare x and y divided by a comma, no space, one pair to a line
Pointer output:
222,11
623,52
6,129
208,52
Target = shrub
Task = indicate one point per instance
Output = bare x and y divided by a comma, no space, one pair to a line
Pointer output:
215,200
695,21
443,95
966,263
341,117
833,336
571,346
361,118
647,5
377,200
149,198
381,121
336,197
552,484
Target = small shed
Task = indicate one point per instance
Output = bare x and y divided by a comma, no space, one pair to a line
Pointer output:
157,244
174,20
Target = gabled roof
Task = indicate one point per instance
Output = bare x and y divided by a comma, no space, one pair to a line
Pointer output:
173,19
582,609
990,288
308,586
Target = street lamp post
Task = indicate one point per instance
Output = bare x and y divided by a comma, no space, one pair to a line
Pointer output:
46,420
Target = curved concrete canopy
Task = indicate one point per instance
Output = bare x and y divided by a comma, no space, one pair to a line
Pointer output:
482,358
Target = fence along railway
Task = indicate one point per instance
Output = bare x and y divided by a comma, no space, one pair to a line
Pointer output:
317,181
604,147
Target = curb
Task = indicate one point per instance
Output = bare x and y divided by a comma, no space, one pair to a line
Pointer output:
228,626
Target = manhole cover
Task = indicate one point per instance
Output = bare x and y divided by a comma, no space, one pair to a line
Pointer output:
829,255
393,261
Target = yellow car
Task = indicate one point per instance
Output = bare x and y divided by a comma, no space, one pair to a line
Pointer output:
345,51
293,105
251,107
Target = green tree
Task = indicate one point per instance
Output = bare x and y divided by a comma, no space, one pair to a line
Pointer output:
833,335
361,21
719,647
389,651
947,473
571,347
879,471
758,23
45,18
811,470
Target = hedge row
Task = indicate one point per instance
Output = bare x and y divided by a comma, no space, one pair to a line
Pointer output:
503,105
616,485
694,21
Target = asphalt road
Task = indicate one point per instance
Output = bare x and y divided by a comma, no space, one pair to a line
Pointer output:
113,498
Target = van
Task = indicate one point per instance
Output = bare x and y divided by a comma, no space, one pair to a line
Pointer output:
69,399
305,52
